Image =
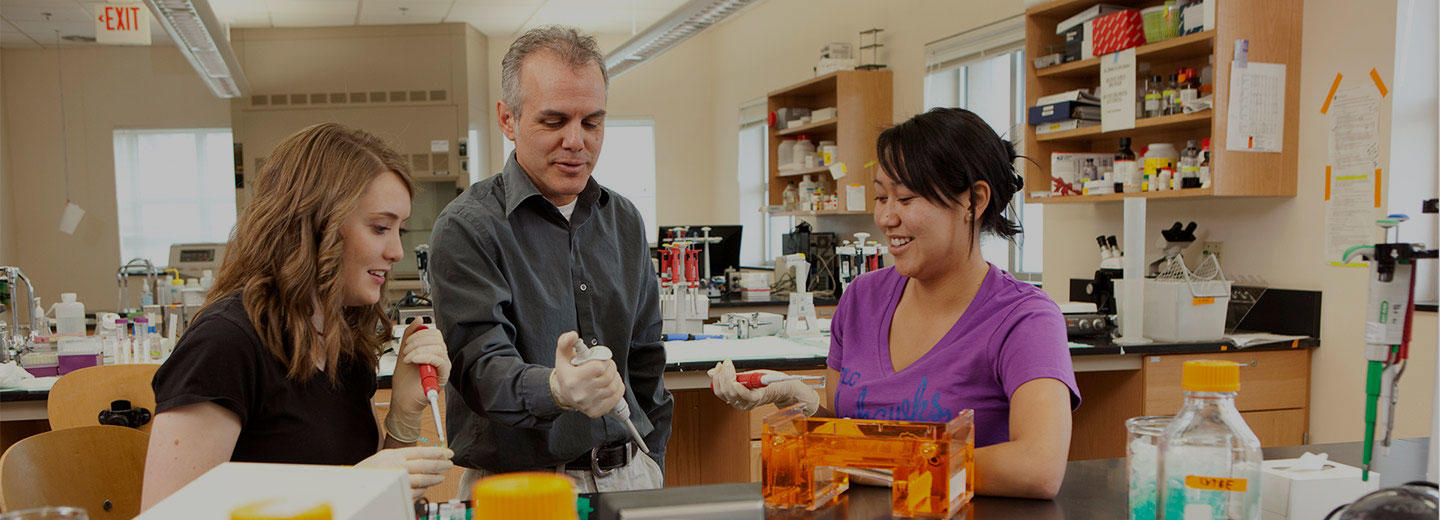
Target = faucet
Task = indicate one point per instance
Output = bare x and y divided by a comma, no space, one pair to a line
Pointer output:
12,336
122,277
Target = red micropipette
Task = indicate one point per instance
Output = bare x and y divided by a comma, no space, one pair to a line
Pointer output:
753,380
430,382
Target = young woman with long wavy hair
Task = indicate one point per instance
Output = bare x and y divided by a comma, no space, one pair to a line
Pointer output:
279,366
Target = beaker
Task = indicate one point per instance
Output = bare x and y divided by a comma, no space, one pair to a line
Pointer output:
47,513
1142,459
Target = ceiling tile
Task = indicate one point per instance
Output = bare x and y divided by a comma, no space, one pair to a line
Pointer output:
313,13
59,11
401,12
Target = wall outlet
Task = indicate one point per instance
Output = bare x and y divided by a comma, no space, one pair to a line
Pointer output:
1213,248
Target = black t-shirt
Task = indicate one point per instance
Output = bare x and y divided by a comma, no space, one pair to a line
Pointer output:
220,359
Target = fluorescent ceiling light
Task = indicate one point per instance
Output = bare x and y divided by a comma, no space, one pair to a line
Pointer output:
686,21
193,26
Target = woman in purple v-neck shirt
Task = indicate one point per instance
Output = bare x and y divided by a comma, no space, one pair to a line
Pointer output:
943,330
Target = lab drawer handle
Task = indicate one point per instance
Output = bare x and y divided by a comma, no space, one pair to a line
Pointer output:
1254,362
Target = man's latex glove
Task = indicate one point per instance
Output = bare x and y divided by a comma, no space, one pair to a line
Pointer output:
421,345
425,464
782,394
593,388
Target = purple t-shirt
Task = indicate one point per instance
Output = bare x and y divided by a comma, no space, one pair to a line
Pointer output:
1010,334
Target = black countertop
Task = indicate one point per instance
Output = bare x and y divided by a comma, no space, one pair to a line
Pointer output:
1096,489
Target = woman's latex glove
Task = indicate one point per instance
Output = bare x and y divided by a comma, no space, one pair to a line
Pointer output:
782,394
593,387
421,345
426,465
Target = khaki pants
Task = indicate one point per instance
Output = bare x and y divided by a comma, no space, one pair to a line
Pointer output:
641,473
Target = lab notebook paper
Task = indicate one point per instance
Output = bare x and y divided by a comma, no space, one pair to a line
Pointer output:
352,493
933,463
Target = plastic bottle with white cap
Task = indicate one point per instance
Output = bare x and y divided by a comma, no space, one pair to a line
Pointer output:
69,316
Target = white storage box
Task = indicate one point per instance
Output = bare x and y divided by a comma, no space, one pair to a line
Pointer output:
1181,305
1291,494
353,493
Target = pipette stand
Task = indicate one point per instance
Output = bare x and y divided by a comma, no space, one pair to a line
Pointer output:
684,307
933,463
683,311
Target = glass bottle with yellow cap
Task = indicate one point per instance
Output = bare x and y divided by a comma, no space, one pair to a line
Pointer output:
1210,460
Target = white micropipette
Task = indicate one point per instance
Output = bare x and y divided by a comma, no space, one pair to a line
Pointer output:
621,412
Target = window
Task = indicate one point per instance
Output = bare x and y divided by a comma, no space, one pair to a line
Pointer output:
983,71
173,186
626,165
760,240
1413,134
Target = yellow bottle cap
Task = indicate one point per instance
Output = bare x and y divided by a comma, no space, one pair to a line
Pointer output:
282,509
1208,375
539,496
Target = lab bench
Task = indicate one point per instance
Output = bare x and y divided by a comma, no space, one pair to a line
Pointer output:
713,443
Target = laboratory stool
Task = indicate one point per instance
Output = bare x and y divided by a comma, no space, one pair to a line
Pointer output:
79,398
95,468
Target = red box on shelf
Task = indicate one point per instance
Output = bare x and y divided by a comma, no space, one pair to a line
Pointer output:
1117,32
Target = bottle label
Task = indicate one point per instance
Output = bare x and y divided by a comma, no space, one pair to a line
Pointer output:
1232,485
1125,172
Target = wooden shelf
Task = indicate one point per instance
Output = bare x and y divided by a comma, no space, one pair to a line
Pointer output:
1168,194
801,173
828,125
1273,28
809,87
864,104
1188,46
1172,122
1061,9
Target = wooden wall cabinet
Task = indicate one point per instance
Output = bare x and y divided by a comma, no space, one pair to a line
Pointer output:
1274,398
1273,29
863,100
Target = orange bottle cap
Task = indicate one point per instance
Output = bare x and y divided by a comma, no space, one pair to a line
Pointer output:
1208,375
541,496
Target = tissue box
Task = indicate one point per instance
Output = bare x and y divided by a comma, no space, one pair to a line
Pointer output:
1295,494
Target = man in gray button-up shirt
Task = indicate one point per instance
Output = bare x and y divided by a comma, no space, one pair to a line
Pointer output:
533,252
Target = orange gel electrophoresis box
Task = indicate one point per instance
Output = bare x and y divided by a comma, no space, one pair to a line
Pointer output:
933,463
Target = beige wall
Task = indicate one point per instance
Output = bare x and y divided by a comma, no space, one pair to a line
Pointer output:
7,204
106,88
1282,239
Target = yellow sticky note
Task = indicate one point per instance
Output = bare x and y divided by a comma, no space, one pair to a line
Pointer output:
1234,485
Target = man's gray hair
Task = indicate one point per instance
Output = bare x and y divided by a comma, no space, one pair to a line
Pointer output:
574,48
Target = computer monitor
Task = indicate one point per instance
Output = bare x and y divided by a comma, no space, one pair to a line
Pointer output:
723,254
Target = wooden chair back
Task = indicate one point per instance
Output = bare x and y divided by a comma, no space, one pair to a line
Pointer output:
95,468
77,398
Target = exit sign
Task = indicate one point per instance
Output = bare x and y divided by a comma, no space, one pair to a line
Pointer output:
122,23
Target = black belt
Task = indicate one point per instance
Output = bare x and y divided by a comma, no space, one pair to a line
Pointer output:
603,458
